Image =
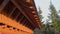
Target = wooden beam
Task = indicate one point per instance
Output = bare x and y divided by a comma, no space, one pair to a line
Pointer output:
21,19
5,2
24,22
12,11
17,15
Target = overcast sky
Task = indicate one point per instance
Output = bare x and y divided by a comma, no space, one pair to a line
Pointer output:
44,5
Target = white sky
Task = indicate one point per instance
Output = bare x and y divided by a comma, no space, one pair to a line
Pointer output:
44,5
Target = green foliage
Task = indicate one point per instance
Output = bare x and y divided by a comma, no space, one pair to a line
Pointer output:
54,18
39,13
52,27
46,28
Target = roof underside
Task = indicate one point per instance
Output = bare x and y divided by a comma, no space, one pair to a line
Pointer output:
21,8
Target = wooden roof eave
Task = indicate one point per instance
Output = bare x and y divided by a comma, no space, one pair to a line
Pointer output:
16,4
37,15
21,10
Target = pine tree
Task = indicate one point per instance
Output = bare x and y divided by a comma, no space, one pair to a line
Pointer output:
39,13
54,17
